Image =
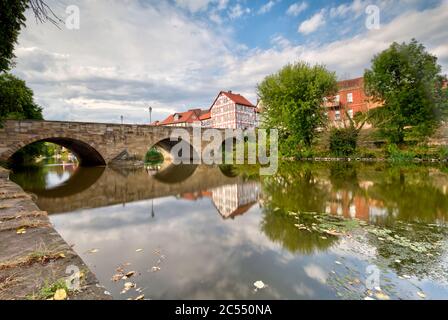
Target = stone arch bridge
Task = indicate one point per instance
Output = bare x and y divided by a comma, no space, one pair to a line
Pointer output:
94,144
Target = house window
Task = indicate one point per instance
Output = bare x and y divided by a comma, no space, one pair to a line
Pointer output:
350,113
337,115
350,97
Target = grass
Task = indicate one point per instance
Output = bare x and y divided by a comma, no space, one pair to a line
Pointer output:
27,224
41,256
8,281
48,290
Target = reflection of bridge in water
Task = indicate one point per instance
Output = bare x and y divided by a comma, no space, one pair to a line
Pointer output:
99,187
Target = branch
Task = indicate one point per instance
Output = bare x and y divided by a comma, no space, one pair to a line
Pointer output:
42,12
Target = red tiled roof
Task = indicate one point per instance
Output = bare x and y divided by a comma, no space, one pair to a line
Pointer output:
237,98
351,83
189,116
205,116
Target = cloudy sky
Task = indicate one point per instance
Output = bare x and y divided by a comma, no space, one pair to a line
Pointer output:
178,54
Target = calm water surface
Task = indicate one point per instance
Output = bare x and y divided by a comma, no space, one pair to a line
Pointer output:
200,232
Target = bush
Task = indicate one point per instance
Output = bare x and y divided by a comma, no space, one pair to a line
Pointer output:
343,141
397,155
443,153
153,155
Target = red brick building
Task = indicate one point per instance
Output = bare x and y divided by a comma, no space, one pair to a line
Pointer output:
351,98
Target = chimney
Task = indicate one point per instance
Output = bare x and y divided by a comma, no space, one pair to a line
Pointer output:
230,91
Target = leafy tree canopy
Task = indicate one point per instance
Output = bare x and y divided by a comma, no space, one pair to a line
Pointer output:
12,19
293,101
17,99
16,102
407,80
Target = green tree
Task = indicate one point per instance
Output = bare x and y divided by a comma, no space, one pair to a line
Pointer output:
406,79
12,19
17,102
293,100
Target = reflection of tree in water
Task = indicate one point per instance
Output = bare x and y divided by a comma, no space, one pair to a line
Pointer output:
344,175
31,178
409,194
280,227
294,188
297,187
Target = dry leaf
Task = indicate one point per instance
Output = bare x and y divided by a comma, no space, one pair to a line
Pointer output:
21,231
128,285
382,296
140,297
155,269
139,250
421,295
60,294
117,277
259,284
130,274
93,250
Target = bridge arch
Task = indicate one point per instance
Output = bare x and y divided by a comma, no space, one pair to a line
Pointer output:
87,155
165,145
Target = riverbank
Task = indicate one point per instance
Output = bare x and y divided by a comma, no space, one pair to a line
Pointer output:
34,259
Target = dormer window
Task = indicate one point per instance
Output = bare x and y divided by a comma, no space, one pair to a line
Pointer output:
176,117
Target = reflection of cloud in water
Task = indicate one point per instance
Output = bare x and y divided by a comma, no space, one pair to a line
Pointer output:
315,272
54,179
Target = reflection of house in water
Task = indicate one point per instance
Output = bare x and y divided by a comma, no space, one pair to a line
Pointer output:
349,205
230,200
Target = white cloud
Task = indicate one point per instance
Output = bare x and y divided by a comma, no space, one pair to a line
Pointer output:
222,4
237,11
356,7
267,7
297,8
312,24
193,5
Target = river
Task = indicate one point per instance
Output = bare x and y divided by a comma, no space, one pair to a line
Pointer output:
312,231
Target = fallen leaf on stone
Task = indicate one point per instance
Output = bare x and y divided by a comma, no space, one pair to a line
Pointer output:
62,255
155,269
93,250
107,293
60,294
259,284
140,297
21,231
337,262
421,295
139,250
